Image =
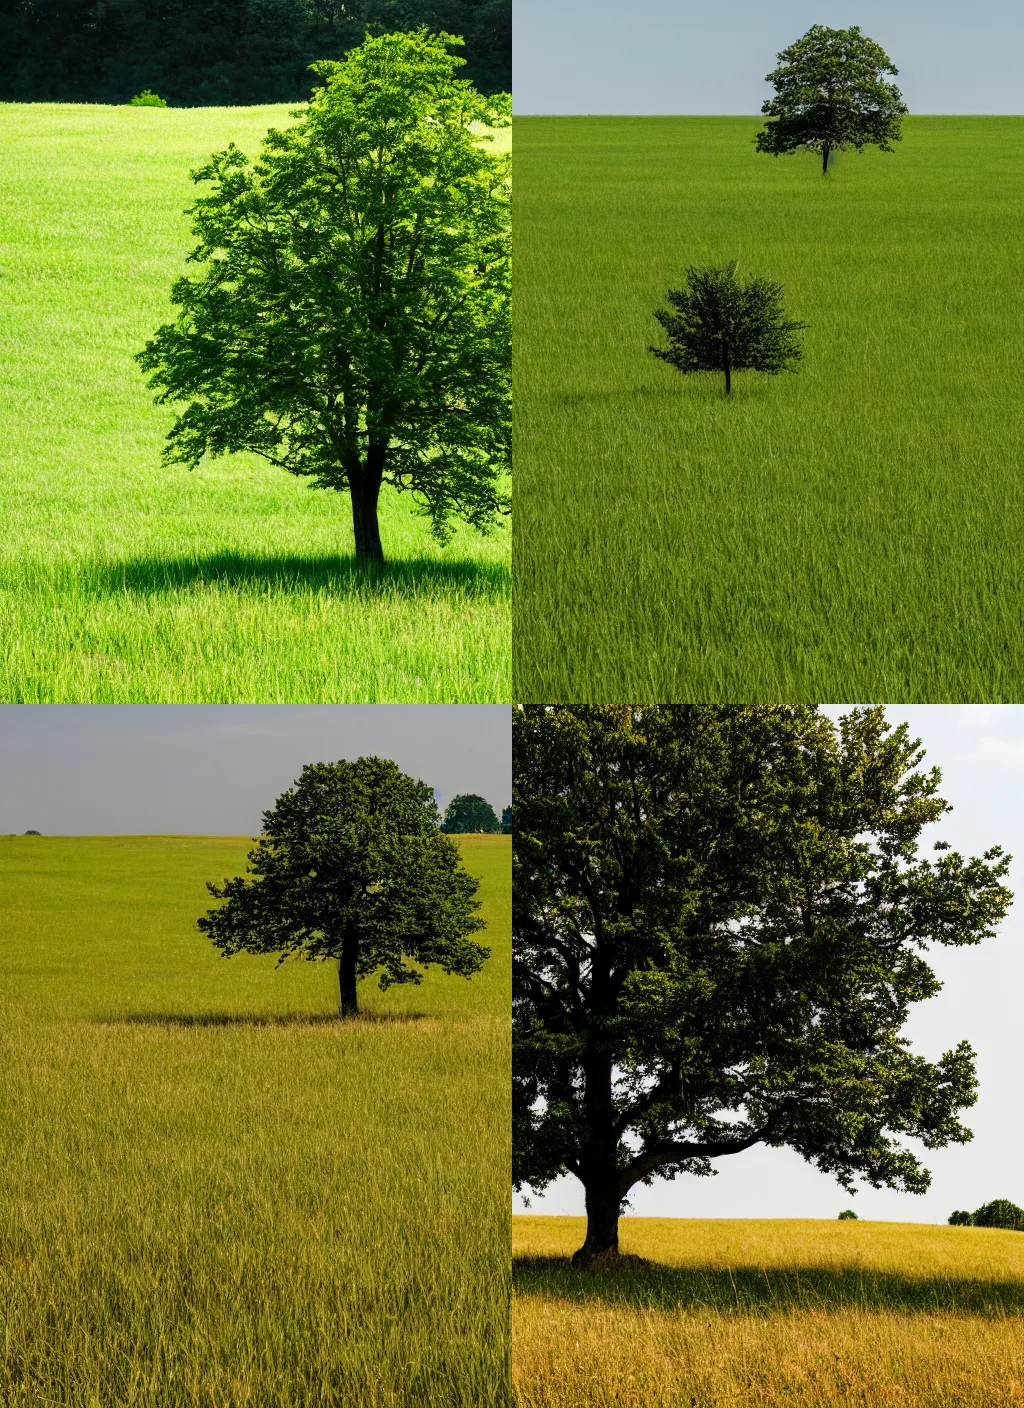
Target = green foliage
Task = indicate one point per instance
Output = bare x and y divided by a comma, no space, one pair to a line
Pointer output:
222,52
675,544
146,99
33,833
830,95
960,1219
1000,1213
352,323
718,323
719,925
848,1216
469,812
506,821
351,866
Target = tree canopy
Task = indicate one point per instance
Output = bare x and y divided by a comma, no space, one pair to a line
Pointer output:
351,866
223,52
999,1213
470,812
719,323
830,94
352,320
720,918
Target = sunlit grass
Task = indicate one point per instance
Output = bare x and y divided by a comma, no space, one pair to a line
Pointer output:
851,531
215,1192
758,1313
122,581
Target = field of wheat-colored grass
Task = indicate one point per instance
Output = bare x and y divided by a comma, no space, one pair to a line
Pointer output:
214,1193
770,1314
122,581
851,531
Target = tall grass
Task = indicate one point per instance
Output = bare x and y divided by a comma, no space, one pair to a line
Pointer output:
214,1192
745,1313
121,581
852,531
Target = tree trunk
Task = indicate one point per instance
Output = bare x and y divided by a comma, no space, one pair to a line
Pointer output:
602,1243
364,487
824,158
348,1003
728,379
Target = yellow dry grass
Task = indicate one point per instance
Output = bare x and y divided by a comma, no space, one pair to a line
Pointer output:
766,1313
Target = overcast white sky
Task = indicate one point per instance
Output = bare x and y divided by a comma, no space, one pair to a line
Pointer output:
691,56
980,749
213,769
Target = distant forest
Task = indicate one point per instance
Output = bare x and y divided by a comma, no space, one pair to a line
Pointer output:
199,53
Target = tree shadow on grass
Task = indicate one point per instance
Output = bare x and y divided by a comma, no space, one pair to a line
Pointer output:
258,1019
407,577
757,1291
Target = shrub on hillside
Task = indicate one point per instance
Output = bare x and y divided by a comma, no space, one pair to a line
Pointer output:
960,1219
146,99
848,1216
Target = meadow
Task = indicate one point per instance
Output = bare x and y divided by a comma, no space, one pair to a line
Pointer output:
769,1314
215,1193
125,582
851,531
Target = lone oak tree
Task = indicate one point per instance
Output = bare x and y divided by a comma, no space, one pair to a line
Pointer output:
352,322
718,919
830,95
351,866
720,324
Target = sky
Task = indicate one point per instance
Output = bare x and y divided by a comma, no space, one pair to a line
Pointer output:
213,769
980,751
680,56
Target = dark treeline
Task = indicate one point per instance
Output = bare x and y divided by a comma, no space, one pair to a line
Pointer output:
206,52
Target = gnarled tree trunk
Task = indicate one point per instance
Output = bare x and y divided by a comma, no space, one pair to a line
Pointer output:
602,1242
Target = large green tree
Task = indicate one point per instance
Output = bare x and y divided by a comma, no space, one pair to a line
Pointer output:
719,922
352,320
470,812
351,866
831,94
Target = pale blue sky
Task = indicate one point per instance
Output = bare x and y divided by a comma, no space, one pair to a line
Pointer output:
980,750
213,769
677,56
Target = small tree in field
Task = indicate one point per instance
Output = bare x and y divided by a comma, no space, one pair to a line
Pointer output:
720,324
469,812
720,922
831,95
352,320
351,866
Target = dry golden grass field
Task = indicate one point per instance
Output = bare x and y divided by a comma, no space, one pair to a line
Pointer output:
214,1193
770,1313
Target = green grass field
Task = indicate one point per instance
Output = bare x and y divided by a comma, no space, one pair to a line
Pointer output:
121,581
770,1314
853,531
215,1194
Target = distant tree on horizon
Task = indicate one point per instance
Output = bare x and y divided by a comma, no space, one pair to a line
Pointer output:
352,319
831,95
719,323
999,1213
719,924
351,866
506,821
469,812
